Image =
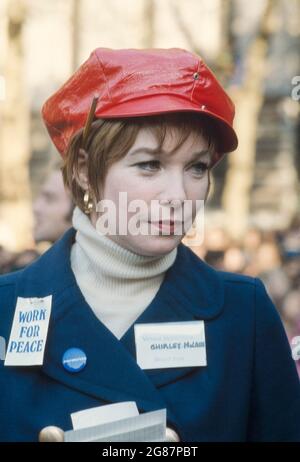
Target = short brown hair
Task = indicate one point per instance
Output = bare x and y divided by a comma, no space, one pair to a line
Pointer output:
109,140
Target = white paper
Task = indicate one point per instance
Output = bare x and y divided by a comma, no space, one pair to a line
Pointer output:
170,344
28,335
147,427
104,414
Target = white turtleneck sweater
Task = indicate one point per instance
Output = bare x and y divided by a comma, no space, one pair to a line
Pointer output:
117,283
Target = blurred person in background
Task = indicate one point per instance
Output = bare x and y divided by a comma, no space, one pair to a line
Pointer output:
289,244
250,245
216,243
234,259
215,258
52,209
271,271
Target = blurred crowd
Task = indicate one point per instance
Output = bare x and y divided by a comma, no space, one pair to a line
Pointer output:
273,256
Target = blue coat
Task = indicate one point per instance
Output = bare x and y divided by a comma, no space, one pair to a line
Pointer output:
248,391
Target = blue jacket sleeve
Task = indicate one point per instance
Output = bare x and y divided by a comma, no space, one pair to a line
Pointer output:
275,400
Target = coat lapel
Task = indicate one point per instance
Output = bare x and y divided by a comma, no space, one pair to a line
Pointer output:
191,290
111,372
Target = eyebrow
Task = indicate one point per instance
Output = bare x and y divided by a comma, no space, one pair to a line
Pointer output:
158,152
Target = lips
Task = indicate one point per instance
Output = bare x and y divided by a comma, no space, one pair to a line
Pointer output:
166,222
168,226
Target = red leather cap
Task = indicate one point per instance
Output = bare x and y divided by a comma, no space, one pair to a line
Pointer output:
139,82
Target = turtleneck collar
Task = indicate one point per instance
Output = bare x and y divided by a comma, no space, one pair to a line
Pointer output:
111,260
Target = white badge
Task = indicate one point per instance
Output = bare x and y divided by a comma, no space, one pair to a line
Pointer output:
170,344
28,335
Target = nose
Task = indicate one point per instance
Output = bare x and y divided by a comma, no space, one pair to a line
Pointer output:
174,192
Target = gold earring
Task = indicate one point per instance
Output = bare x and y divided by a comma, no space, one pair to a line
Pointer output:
88,203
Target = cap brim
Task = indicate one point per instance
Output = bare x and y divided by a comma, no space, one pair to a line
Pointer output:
227,140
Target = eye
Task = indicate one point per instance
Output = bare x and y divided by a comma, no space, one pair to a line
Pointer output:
200,168
150,165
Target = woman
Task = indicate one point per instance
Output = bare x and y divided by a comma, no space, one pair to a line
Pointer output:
149,124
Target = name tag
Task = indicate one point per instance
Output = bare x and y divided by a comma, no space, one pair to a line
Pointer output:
170,344
28,335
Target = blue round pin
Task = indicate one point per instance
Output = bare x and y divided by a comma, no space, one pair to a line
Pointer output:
74,359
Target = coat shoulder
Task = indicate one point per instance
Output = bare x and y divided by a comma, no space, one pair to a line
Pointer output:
225,276
8,290
10,278
250,289
239,279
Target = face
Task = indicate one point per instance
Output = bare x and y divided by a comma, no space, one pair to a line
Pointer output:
181,177
51,210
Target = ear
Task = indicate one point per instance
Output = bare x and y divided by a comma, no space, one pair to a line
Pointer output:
82,175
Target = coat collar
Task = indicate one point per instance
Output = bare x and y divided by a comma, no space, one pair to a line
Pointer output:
191,290
190,281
